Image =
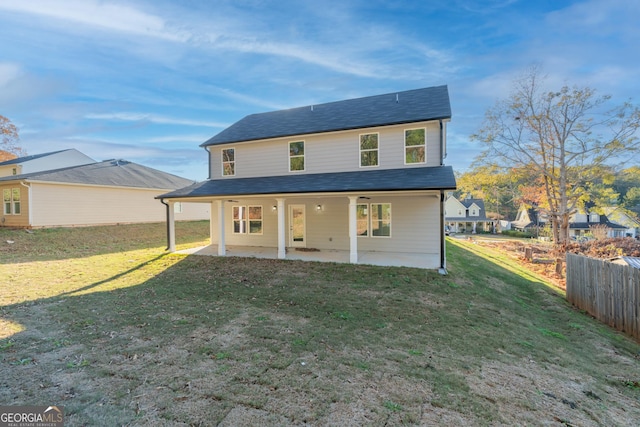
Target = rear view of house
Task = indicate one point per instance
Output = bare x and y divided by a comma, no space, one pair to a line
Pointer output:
364,177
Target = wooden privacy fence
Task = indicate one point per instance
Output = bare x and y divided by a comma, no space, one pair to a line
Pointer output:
609,292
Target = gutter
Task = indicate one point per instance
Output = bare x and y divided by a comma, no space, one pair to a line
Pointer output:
443,155
168,228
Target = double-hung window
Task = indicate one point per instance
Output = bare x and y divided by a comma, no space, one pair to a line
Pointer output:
415,146
369,149
228,161
11,201
247,219
296,156
373,219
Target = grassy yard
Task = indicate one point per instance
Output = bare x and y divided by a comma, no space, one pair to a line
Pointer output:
102,321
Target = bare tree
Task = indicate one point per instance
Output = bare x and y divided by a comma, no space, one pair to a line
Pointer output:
10,138
565,136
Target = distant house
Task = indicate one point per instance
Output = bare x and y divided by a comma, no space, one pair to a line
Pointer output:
467,215
43,162
361,178
580,224
624,218
529,218
97,193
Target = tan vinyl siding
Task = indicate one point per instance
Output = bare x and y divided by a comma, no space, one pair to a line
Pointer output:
11,220
76,205
325,153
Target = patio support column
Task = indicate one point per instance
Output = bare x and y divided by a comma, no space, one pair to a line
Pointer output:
353,230
282,250
212,228
171,217
222,250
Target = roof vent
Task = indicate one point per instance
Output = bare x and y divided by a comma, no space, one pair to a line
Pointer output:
312,108
397,98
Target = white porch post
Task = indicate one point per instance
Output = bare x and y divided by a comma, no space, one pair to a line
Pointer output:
222,250
212,228
172,227
353,231
282,251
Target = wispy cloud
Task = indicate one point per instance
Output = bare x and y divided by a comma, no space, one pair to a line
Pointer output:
153,118
100,14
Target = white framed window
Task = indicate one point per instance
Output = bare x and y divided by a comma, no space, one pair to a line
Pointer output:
474,212
415,146
296,156
14,171
373,220
362,220
247,219
11,201
369,149
228,161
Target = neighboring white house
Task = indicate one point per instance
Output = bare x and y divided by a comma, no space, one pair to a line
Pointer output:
359,176
43,162
108,192
581,222
467,216
626,219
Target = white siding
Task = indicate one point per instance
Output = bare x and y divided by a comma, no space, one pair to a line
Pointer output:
75,205
324,153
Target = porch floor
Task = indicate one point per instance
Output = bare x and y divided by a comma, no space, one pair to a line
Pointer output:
389,259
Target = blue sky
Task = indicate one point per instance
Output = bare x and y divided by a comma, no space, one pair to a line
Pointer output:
150,80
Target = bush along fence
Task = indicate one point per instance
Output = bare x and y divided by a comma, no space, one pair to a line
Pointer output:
609,292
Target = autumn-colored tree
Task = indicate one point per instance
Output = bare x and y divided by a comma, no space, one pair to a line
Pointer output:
10,138
564,136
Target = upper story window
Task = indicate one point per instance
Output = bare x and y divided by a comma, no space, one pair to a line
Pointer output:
11,201
415,145
474,212
594,217
15,171
296,156
369,149
228,161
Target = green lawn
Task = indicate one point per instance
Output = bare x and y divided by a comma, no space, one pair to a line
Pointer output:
104,322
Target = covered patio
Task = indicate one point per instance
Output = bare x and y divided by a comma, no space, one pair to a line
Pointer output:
387,259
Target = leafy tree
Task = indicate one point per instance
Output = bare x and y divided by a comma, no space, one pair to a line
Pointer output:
10,138
564,136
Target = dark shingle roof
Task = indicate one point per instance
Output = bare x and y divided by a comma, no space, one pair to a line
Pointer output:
380,110
422,178
120,173
603,221
24,159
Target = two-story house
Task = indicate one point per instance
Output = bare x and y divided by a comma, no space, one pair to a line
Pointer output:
363,179
467,215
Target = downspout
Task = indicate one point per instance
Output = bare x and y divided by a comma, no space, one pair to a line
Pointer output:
443,155
30,218
443,256
168,228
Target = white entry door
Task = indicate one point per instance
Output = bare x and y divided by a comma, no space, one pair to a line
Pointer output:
297,227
